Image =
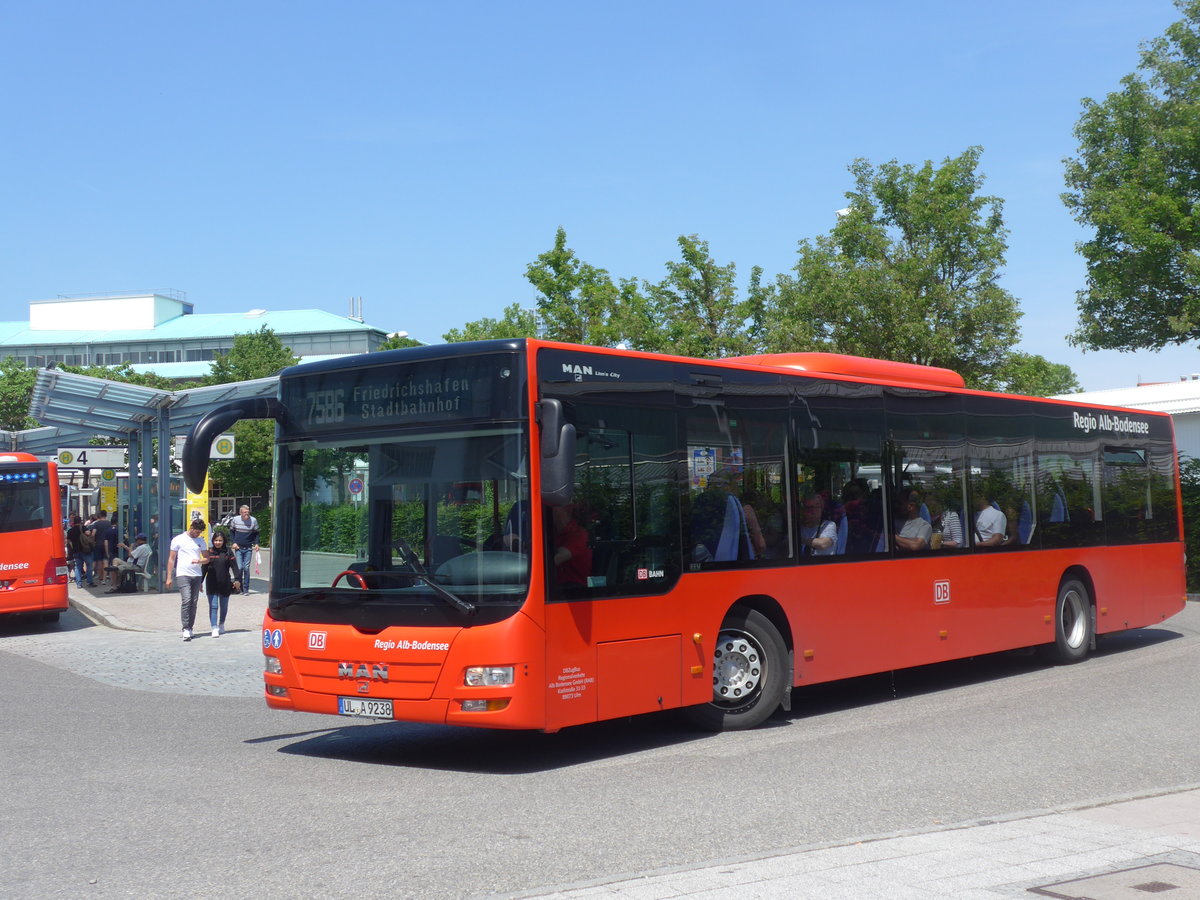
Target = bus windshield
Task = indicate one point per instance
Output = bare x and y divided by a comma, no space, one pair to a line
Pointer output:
24,500
433,519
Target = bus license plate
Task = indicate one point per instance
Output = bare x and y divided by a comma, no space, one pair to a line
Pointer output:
360,706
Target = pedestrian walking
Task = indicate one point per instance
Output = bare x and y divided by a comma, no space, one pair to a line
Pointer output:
220,580
184,564
243,537
74,537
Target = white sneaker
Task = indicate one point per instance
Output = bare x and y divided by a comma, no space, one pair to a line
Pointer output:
187,634
216,632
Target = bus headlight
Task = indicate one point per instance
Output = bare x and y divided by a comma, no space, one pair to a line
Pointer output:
273,665
488,676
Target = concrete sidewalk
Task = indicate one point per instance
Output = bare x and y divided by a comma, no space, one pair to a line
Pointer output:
1119,850
152,611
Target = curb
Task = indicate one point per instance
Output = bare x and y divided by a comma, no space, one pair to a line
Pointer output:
100,617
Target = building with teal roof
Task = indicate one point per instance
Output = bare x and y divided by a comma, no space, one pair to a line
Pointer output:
161,333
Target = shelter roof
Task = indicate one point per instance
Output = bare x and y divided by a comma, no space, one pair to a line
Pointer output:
83,407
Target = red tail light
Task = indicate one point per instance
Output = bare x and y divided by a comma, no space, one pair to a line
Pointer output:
56,571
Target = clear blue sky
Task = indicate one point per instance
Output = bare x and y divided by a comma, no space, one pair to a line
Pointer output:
296,154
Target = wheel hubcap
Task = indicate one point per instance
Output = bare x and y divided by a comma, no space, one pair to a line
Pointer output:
738,668
1072,621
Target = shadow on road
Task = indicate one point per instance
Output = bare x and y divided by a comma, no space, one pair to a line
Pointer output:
26,624
484,751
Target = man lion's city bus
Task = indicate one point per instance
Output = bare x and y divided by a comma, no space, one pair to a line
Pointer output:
33,555
530,535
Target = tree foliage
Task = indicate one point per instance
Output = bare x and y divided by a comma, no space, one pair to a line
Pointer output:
16,391
696,310
398,342
577,302
517,322
1136,184
256,354
910,272
1036,376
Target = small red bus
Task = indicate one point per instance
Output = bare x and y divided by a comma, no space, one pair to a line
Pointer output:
528,534
33,556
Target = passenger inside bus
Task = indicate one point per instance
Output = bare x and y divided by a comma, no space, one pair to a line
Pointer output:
991,525
947,526
912,531
572,553
818,533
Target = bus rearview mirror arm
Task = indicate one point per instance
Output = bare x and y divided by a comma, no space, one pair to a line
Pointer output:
212,423
557,449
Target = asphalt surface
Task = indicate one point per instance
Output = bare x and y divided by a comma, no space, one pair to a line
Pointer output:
1109,849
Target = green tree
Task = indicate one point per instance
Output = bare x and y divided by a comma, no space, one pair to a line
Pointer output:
909,272
398,342
257,354
1028,373
695,310
1189,484
517,322
1136,183
577,302
16,391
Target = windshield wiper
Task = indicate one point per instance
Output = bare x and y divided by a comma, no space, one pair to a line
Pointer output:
409,558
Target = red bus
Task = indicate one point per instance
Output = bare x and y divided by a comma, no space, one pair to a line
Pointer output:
33,554
527,534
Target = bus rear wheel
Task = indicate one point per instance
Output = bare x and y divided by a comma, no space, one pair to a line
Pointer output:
749,673
1072,622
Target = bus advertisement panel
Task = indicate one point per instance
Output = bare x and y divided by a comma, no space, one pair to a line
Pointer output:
524,534
33,556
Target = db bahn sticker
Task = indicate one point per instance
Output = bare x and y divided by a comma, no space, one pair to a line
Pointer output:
316,640
272,638
941,592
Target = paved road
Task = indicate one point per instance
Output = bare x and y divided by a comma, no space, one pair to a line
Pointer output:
137,765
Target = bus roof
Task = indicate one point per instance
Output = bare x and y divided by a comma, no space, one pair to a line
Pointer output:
857,366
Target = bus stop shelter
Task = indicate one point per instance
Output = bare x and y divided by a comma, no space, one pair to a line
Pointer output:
74,409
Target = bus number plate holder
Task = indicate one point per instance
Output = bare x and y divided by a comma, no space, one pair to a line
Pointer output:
365,708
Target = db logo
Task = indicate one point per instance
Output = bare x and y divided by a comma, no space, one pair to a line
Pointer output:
316,640
643,574
941,592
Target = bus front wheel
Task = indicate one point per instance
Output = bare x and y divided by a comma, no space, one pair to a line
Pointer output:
749,673
1072,622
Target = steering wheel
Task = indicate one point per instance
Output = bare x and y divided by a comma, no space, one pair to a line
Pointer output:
348,574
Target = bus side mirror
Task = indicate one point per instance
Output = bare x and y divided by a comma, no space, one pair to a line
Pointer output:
557,450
